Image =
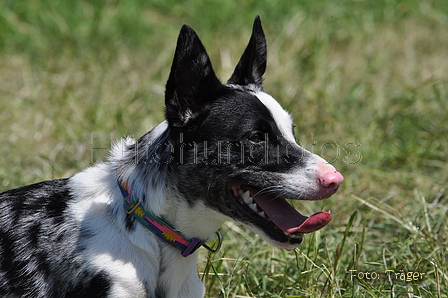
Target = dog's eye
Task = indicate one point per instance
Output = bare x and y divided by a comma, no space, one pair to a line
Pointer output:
256,137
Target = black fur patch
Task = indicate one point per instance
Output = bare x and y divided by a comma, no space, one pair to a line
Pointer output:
39,244
98,287
160,292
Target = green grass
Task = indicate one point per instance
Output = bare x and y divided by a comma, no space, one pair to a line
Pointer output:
367,83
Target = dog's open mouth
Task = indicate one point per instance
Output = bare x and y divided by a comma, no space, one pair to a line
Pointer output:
278,214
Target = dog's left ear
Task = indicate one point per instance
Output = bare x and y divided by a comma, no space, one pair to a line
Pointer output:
252,65
192,82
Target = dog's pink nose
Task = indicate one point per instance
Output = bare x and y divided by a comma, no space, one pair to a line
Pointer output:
331,180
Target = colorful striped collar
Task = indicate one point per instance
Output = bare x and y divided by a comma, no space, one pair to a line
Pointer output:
161,228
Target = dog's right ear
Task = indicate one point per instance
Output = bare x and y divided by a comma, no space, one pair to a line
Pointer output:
252,65
192,82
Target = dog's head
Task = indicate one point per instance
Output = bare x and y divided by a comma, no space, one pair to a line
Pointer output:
234,147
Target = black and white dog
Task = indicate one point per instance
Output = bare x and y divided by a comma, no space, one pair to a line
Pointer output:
130,227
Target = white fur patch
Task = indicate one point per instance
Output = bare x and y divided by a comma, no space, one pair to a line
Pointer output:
281,117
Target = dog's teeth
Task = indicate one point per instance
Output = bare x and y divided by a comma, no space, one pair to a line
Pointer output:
262,214
292,236
247,198
240,192
253,207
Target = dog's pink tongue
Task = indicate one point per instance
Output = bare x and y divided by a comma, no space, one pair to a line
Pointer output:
288,219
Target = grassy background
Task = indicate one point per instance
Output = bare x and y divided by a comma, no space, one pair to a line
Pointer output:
367,83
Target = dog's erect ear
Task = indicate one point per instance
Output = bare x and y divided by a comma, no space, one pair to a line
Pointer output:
192,82
252,64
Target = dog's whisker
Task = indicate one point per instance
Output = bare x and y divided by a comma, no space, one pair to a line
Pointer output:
274,189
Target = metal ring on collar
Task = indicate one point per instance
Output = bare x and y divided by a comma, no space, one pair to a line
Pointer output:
213,251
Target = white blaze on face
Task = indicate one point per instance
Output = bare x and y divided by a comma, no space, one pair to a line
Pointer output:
282,118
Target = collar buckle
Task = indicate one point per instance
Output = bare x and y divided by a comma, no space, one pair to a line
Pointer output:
196,243
132,209
192,247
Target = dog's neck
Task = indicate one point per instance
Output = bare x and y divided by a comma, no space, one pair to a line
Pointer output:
193,220
149,185
159,226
